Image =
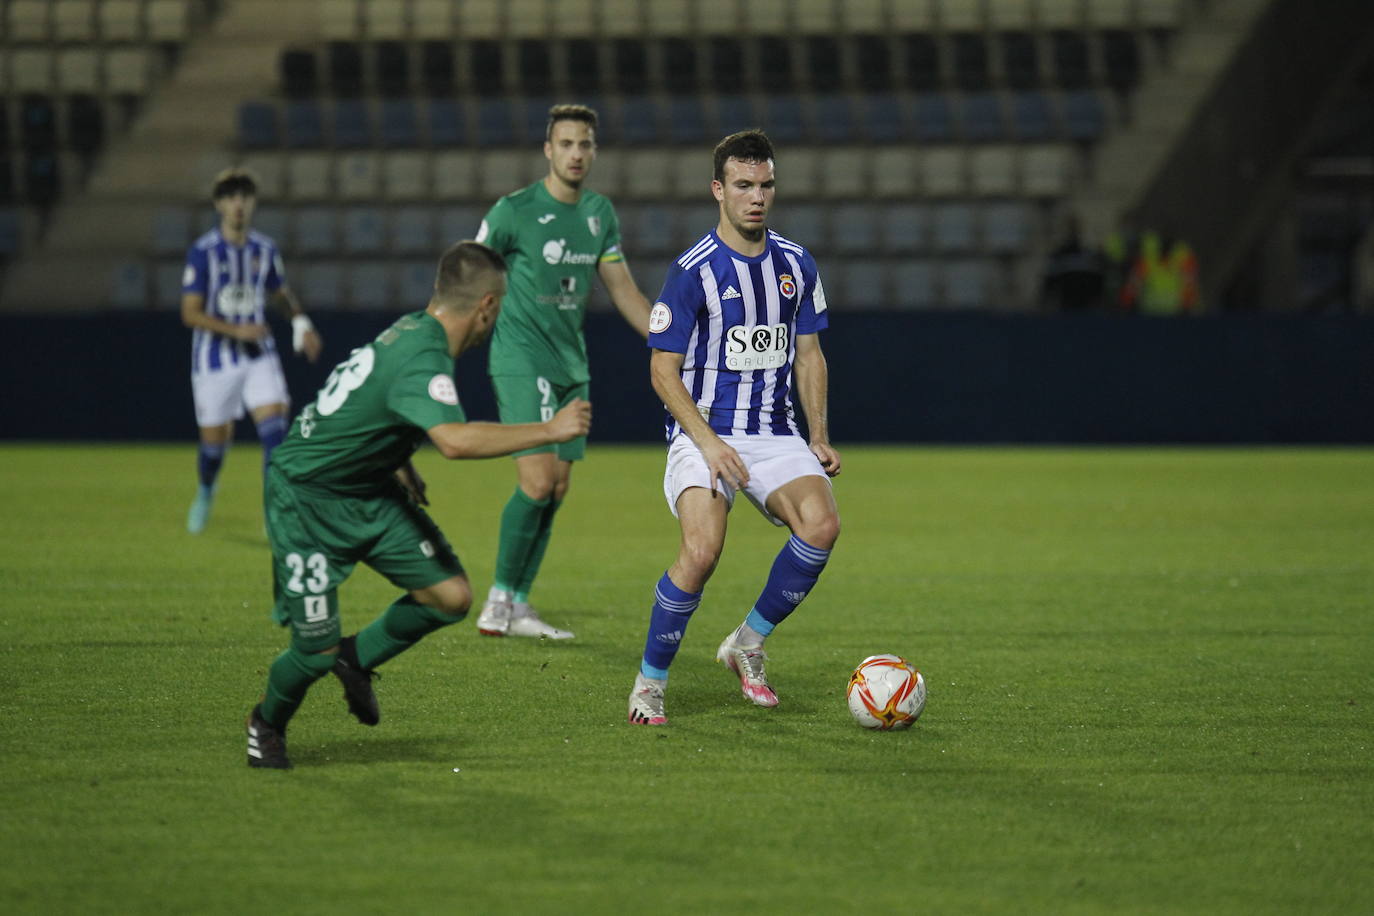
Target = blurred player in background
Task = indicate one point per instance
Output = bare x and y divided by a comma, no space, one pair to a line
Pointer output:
558,238
735,327
231,272
341,489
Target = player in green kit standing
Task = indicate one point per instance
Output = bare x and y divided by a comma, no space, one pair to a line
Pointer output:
342,490
559,238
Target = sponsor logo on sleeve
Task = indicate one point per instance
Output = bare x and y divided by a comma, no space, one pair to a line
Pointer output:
442,389
660,318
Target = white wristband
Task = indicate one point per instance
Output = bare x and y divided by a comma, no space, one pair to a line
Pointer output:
300,326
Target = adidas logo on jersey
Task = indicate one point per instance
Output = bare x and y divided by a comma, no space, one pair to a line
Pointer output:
731,293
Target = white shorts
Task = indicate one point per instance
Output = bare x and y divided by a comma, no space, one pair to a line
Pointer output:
221,396
772,462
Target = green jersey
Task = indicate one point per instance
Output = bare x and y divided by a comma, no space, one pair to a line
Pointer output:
373,411
552,252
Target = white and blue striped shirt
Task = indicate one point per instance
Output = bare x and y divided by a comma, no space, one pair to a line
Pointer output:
736,319
236,283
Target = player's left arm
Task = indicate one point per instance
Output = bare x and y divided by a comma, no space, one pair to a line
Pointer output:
625,295
304,338
812,376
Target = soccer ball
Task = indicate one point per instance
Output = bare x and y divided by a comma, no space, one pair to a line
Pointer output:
885,692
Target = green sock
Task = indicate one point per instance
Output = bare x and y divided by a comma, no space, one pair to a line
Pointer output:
541,544
520,524
401,626
288,680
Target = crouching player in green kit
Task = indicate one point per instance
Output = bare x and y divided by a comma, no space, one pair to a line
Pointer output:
341,489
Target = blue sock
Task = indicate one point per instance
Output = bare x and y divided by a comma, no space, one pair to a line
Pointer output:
793,575
667,623
271,432
209,460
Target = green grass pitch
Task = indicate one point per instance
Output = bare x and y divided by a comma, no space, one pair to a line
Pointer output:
1149,676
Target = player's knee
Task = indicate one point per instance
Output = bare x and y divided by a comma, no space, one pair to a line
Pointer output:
539,489
451,599
313,662
823,532
698,559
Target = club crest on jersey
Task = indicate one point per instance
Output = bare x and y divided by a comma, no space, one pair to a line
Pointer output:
787,286
660,317
594,225
442,389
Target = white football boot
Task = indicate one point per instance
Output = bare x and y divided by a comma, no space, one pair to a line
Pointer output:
747,664
646,701
525,622
496,613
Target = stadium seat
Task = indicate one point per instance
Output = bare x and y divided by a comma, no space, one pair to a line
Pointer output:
129,285
436,68
1071,67
992,171
304,124
455,176
43,178
943,171
785,116
501,173
274,222
873,61
885,119
171,230
167,284
734,113
384,19
405,175
638,120
960,16
803,223
895,172
431,19
321,283
690,173
903,229
774,57
1010,14
834,118
914,284
85,124
447,123
399,127
679,65
534,118
859,283
1044,171
1020,60
37,123
725,65
369,285
822,63
364,230
534,66
1059,14
309,176
11,232
495,122
31,69
1031,116
121,20
583,57
652,231
73,21
298,73
855,229
971,283
314,231
921,64
843,172
526,18
1110,14
339,19
630,65
127,71
955,228
980,115
687,120
1085,117
647,172
359,176
862,16
1121,60
971,62
9,190
458,222
352,124
485,67
932,119
167,20
345,69
258,126
393,68
412,230
78,70
480,18
414,284
1007,227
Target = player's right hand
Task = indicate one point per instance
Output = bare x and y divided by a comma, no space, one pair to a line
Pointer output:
250,333
725,463
575,419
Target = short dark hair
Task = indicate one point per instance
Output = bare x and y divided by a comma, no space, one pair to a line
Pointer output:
750,145
233,181
459,265
569,113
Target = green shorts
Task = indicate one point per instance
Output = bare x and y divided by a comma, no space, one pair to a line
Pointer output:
318,537
535,399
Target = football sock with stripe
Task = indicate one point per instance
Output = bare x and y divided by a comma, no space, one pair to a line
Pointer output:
288,680
401,626
536,557
209,460
520,522
794,574
271,432
667,623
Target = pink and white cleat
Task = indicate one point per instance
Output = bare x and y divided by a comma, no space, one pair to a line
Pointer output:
646,702
748,664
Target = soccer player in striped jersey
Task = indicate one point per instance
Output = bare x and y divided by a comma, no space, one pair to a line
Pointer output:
231,272
734,332
559,239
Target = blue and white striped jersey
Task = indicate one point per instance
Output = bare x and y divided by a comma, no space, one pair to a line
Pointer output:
736,319
236,282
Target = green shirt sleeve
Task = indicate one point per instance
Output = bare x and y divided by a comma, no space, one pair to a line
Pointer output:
424,394
498,229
